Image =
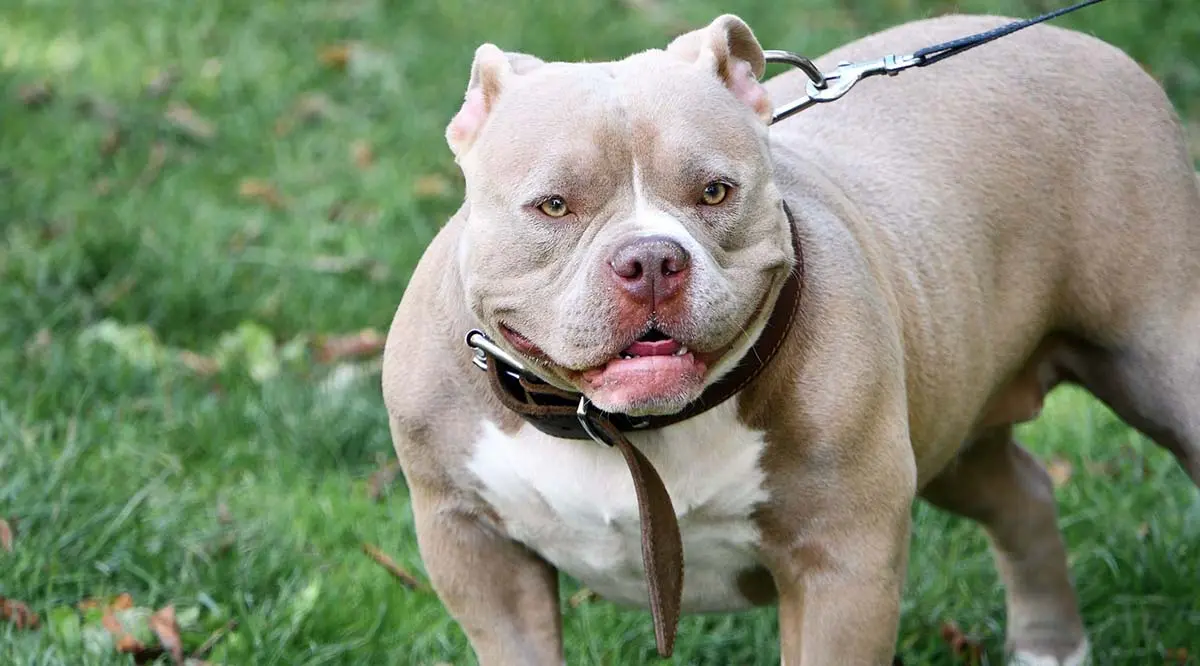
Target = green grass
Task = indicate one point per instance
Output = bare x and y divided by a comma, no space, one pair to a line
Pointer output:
244,493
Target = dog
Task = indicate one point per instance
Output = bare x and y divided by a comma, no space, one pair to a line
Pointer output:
963,238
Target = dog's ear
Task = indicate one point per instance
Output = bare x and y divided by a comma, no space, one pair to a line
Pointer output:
730,50
490,73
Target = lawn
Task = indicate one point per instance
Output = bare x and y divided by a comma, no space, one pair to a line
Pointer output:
208,213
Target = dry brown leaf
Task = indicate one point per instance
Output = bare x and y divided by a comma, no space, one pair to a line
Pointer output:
18,614
583,596
111,141
1060,471
167,629
336,56
1143,530
205,366
162,83
121,638
102,187
361,153
185,119
381,479
257,189
123,601
960,644
37,94
38,343
6,536
310,107
366,342
1102,468
431,186
223,515
154,164
408,580
1177,656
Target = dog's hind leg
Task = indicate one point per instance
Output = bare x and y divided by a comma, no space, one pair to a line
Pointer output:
1153,382
1001,486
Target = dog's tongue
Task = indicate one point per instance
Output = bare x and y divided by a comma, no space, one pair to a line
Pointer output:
653,348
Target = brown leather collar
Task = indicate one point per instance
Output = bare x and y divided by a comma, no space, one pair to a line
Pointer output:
569,415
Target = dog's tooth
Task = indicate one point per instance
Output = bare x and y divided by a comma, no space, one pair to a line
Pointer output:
681,351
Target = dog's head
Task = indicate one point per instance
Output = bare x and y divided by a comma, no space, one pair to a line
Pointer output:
623,230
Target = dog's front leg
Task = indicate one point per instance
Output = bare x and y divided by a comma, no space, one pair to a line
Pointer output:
838,551
502,594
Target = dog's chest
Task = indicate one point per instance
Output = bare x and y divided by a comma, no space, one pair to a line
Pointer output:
574,503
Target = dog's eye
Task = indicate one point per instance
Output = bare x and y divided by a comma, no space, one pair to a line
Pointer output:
554,207
714,193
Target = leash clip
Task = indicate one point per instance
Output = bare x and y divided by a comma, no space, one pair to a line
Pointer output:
830,87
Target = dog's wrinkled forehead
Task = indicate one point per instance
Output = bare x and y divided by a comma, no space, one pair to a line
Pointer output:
601,118
700,94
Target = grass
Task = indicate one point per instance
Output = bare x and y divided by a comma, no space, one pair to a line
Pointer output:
221,178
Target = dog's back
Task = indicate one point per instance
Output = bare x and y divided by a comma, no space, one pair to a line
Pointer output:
1045,173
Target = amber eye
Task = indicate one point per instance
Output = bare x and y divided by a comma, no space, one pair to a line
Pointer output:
554,207
714,193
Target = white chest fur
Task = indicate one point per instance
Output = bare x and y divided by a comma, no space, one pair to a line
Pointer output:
574,502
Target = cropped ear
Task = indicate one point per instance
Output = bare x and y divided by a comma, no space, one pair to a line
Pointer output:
490,73
729,49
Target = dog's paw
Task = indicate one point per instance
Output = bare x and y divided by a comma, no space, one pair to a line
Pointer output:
1080,656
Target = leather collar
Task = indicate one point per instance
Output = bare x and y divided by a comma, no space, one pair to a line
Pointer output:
570,415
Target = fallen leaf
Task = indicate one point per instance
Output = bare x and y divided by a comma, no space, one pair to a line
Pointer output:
366,342
123,601
123,640
1177,656
581,597
1143,531
204,366
431,186
309,108
361,153
111,141
408,580
1102,468
18,614
960,644
38,343
223,515
186,120
162,83
102,187
262,191
381,479
1060,471
167,629
99,108
6,536
35,95
154,164
336,56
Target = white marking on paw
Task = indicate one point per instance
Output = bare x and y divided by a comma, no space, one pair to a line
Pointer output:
1080,657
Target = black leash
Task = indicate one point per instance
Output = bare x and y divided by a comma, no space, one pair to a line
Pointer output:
937,52
829,87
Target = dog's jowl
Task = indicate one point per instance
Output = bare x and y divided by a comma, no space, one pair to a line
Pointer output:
963,238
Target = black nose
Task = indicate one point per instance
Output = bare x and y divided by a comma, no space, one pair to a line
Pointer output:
650,267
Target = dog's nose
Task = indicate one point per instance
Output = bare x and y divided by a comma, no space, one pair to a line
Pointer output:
651,267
